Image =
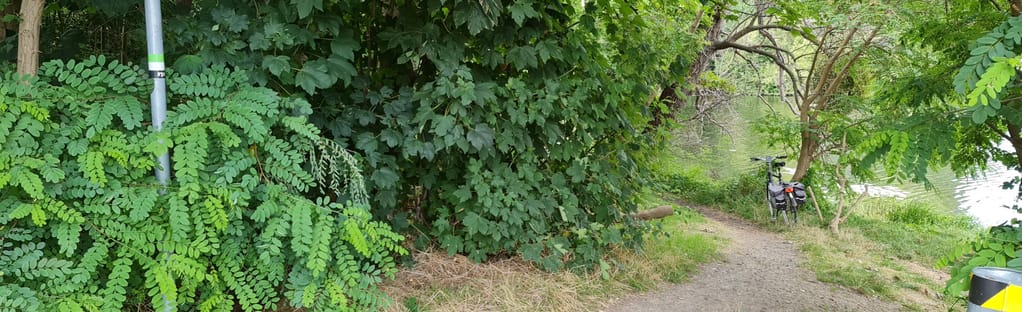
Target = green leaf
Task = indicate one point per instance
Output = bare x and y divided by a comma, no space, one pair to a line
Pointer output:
385,178
314,76
92,166
22,211
67,235
189,64
521,10
986,40
523,57
129,110
473,16
31,183
442,125
548,49
305,7
276,64
341,69
344,45
481,136
463,194
1014,263
979,116
475,224
980,50
232,20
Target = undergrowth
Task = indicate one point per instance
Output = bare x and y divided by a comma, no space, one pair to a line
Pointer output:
442,283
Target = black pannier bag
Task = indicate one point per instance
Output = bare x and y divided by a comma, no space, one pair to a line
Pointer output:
777,195
800,192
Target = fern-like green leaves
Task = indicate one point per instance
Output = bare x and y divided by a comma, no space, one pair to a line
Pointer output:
85,227
991,66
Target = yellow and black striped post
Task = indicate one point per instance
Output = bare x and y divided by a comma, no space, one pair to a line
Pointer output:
995,289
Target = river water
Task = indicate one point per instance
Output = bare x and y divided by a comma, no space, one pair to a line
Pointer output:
981,197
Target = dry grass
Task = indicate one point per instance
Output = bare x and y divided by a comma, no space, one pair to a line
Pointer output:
439,282
443,283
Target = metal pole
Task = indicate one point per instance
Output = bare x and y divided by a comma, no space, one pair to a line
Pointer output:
157,71
158,99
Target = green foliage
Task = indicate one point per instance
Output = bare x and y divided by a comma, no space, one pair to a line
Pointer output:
918,115
1000,247
742,194
493,127
85,226
991,66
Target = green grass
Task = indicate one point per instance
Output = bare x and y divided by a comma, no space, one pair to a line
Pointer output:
671,256
912,230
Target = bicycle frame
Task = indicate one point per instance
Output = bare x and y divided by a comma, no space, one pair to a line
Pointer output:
773,172
776,187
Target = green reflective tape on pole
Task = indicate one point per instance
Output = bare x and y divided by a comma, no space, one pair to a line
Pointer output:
156,62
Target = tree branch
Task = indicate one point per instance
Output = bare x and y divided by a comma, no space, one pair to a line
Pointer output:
844,71
779,62
825,73
755,28
996,6
993,128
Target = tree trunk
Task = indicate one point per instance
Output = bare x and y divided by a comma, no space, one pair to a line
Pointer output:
703,61
1013,130
28,36
810,143
1015,138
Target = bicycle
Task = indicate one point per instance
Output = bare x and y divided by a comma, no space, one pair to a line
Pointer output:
782,197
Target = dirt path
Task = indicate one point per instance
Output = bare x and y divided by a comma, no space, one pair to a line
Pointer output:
761,272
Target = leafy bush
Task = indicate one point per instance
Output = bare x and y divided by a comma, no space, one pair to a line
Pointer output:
84,226
999,247
493,128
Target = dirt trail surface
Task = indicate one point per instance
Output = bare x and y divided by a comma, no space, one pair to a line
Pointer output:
761,272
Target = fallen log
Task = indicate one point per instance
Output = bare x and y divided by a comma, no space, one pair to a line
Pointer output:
655,213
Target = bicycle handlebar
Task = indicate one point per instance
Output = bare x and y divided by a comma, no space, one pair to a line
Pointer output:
768,158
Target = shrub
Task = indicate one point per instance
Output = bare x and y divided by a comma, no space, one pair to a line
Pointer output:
84,226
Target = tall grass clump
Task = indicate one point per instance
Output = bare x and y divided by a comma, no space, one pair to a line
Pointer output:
742,194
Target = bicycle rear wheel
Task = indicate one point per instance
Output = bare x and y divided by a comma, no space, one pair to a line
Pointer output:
793,207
